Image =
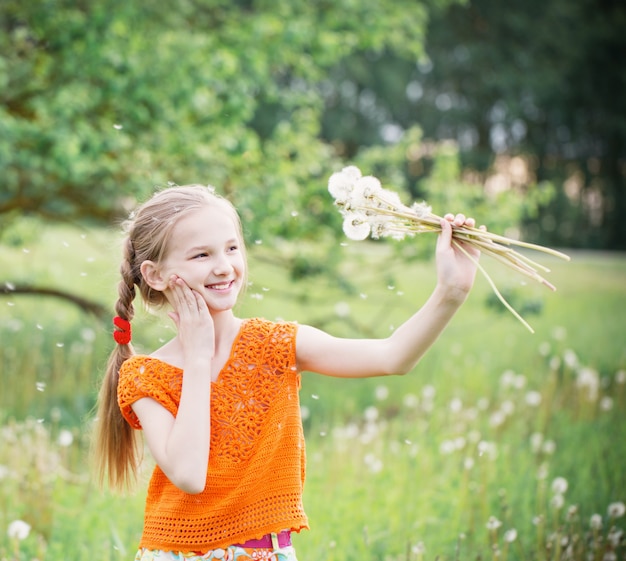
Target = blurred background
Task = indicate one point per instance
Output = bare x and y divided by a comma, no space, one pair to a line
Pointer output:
514,113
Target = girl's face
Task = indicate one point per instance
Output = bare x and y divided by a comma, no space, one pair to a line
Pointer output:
205,250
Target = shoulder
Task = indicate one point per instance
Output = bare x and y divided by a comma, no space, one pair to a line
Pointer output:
263,327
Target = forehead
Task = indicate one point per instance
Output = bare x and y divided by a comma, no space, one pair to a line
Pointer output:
208,225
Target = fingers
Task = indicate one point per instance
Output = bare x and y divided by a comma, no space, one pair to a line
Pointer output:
459,220
184,299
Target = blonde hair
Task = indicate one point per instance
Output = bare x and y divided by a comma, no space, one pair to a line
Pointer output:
149,229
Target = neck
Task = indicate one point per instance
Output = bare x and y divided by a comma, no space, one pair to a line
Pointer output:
226,326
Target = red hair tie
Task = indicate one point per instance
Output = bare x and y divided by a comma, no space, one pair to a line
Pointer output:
121,335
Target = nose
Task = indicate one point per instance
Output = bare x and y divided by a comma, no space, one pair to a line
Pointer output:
222,265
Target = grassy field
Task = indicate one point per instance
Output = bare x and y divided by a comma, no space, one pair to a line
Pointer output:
500,445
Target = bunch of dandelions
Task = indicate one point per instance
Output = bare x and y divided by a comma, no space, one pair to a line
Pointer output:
370,210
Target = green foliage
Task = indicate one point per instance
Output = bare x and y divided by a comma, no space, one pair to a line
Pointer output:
101,102
400,468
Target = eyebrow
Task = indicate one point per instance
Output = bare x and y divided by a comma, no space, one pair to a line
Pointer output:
204,247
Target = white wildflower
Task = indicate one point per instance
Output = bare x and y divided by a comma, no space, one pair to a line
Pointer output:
507,407
533,398
615,536
595,522
493,523
617,510
557,502
536,440
456,405
510,535
371,413
570,358
18,529
549,446
606,403
559,485
65,438
588,380
381,392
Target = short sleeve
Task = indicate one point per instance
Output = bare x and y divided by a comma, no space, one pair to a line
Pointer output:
143,376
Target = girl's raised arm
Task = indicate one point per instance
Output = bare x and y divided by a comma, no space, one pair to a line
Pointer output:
320,352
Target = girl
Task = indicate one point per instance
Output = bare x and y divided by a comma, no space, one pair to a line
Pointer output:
218,404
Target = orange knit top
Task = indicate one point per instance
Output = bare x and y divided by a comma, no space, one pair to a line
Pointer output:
256,470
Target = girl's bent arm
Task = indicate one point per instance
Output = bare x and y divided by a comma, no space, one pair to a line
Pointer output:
180,445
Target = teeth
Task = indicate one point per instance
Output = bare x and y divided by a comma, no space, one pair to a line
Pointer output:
220,286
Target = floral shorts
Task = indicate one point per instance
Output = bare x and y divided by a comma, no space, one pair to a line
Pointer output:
232,553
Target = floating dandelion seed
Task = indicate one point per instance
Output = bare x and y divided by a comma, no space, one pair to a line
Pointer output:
370,210
118,127
40,386
18,530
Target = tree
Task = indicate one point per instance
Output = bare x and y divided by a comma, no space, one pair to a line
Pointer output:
537,79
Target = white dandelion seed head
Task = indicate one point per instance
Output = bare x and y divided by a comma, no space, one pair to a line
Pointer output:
595,522
371,414
620,377
381,392
617,509
352,172
533,398
510,535
572,512
421,210
493,523
367,186
606,403
391,198
456,405
557,502
18,530
428,392
340,187
559,485
507,379
356,227
570,358
65,438
549,447
615,536
497,419
507,407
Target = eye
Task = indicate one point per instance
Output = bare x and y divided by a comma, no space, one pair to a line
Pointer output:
233,248
200,255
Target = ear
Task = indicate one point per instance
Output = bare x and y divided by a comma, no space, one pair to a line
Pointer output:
152,275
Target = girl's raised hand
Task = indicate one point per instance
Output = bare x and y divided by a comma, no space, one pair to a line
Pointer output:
455,270
196,332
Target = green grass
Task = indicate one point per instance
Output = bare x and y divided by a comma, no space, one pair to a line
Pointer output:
404,468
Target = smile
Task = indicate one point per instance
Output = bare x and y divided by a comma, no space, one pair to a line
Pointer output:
222,286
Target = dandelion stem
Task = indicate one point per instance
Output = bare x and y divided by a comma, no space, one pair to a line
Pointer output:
494,287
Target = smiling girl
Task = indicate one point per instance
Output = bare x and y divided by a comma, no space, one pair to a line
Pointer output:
219,403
